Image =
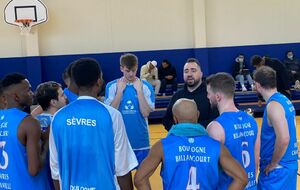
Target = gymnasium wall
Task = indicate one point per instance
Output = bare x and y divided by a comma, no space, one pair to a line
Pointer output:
214,31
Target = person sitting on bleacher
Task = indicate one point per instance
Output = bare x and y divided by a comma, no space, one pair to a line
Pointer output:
149,73
167,75
241,71
292,65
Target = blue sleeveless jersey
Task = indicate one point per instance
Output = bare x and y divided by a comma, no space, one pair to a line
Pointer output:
45,120
70,95
240,136
268,136
190,162
84,140
13,159
136,125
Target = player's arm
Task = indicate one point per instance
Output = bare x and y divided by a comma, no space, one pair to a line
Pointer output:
54,161
257,151
216,131
276,118
30,134
143,104
148,167
232,168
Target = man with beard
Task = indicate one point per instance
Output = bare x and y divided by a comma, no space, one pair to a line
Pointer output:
279,148
236,129
194,89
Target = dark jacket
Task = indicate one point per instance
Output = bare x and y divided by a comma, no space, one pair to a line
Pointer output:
237,68
207,114
282,77
163,72
292,65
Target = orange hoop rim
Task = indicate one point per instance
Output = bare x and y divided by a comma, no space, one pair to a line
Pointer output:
24,21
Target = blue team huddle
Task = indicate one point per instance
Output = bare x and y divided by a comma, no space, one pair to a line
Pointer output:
75,141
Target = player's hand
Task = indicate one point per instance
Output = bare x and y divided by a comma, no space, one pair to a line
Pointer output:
270,167
121,85
138,85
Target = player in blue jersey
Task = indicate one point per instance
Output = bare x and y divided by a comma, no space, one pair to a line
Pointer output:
89,148
71,92
279,149
21,157
236,129
50,97
134,98
189,157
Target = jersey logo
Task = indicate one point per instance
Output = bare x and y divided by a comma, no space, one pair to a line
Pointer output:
191,140
2,117
129,105
129,108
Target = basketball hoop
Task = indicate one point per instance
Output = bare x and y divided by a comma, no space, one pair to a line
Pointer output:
25,26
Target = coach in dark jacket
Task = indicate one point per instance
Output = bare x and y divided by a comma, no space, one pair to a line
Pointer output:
194,89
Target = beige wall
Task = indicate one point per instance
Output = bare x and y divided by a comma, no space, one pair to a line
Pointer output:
247,22
116,25
96,26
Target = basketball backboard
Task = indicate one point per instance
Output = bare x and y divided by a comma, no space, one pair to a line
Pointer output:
16,11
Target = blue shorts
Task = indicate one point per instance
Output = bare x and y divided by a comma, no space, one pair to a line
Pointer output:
141,155
279,178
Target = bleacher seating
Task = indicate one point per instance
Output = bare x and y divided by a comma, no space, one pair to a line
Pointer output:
243,101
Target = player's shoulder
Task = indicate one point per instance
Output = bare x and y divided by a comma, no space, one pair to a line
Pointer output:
209,139
111,83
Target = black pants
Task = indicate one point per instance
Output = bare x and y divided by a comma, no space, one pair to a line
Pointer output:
164,83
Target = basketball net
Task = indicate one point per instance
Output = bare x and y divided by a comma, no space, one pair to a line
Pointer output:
25,27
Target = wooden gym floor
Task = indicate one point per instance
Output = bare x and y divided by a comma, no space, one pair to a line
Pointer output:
157,132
